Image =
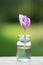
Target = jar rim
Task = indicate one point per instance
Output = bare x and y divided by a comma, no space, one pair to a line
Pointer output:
21,37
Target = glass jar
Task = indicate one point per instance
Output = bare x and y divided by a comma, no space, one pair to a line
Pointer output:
23,54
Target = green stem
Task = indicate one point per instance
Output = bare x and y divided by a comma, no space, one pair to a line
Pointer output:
24,38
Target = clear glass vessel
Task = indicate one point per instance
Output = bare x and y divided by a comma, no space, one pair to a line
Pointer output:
23,53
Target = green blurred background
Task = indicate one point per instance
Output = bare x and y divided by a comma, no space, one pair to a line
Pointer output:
10,27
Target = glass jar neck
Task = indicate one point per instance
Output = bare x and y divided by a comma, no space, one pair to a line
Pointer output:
21,37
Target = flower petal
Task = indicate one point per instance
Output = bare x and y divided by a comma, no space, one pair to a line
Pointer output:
20,18
29,21
24,21
24,25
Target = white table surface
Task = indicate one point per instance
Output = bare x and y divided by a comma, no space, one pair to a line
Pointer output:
35,60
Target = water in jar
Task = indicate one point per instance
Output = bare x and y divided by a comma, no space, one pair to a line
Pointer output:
24,54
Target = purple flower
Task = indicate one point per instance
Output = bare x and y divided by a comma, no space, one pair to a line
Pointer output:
24,21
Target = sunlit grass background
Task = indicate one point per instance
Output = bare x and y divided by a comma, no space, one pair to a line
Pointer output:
9,38
10,27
